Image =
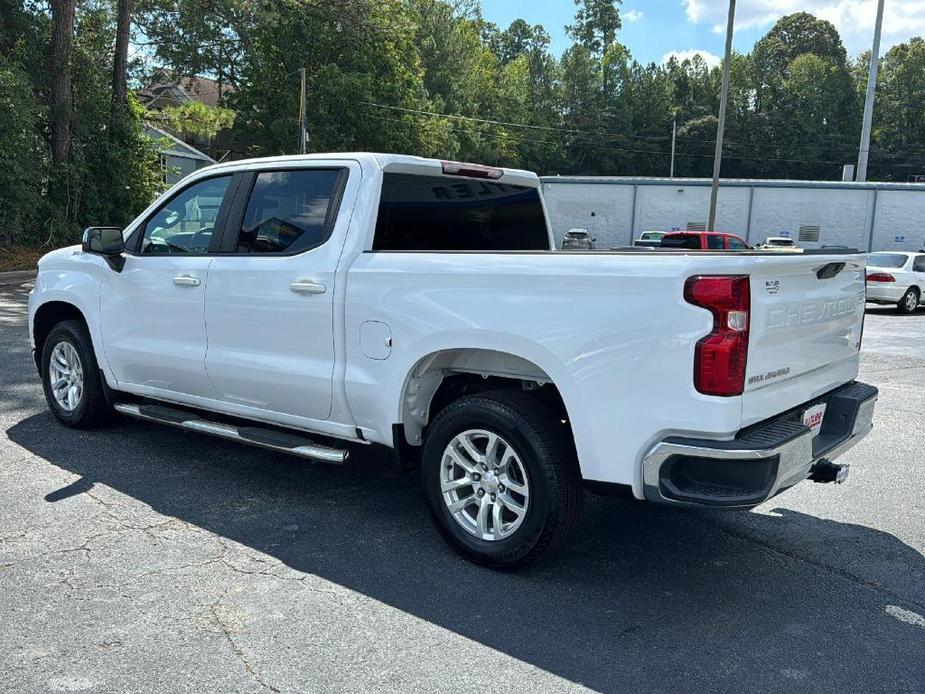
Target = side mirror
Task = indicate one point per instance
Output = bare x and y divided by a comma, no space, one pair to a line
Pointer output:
107,242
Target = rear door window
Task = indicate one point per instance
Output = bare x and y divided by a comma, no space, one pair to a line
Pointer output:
289,211
441,213
716,242
918,265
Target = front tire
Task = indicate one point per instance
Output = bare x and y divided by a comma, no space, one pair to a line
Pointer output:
910,301
501,478
71,379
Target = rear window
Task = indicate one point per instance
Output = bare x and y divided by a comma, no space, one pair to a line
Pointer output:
440,213
681,241
887,260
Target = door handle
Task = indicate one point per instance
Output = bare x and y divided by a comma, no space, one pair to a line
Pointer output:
186,281
307,287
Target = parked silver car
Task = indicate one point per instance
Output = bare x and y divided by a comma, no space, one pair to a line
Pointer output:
578,240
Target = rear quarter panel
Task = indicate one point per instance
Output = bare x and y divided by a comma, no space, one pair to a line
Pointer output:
613,332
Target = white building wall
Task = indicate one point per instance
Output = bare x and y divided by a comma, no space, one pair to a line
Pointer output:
604,210
616,211
843,216
664,208
900,220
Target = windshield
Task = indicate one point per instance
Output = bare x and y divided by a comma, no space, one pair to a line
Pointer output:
895,260
780,242
652,235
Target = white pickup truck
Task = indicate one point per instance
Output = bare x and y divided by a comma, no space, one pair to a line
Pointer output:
299,303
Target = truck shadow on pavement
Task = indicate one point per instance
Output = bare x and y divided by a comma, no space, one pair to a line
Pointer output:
642,599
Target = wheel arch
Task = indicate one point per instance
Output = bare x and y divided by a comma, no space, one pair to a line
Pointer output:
46,317
443,375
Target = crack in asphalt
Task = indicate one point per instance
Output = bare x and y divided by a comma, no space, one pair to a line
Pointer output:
238,652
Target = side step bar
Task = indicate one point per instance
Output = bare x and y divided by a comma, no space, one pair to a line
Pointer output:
257,436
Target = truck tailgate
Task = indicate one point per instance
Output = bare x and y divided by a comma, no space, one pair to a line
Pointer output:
807,314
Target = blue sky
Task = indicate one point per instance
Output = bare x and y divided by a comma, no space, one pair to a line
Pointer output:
654,28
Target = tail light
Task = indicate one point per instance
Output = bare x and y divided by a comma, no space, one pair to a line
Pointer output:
720,357
880,277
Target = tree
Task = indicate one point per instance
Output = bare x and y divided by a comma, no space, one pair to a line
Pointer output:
62,14
120,60
596,24
899,130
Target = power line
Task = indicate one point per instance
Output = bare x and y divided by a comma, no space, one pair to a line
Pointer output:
613,147
612,136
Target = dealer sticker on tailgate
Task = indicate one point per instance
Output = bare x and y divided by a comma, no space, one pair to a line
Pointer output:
813,417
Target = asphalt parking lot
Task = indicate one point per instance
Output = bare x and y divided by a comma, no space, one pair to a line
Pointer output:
141,559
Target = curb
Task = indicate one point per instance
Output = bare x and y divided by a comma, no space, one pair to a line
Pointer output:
16,277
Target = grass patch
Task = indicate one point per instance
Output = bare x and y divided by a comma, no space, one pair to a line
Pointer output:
20,257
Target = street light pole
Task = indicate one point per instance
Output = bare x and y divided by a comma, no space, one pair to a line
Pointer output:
721,126
674,133
869,100
303,116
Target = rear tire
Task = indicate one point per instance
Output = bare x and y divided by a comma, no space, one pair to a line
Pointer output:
532,454
910,301
71,379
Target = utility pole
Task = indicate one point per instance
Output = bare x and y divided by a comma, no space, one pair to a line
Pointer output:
303,116
721,126
674,133
869,100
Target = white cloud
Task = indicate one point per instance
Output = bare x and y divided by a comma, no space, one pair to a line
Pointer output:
632,16
854,19
709,58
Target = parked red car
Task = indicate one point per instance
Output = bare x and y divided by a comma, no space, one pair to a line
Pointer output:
703,240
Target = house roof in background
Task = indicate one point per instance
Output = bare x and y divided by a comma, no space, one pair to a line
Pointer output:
178,147
164,91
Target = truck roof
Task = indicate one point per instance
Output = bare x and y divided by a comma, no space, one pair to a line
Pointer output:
393,163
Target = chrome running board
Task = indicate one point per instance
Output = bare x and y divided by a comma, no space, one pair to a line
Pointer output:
256,436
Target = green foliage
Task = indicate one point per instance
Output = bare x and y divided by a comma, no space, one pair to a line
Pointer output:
23,154
112,172
193,118
898,147
431,77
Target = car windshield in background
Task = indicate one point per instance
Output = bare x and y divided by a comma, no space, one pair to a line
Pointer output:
681,241
895,260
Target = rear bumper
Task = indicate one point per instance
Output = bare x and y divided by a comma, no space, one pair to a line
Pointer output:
762,460
885,292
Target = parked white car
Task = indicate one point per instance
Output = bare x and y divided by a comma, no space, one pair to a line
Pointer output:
896,278
777,242
420,305
650,239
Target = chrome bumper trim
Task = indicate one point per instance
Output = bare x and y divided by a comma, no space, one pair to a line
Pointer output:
795,458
